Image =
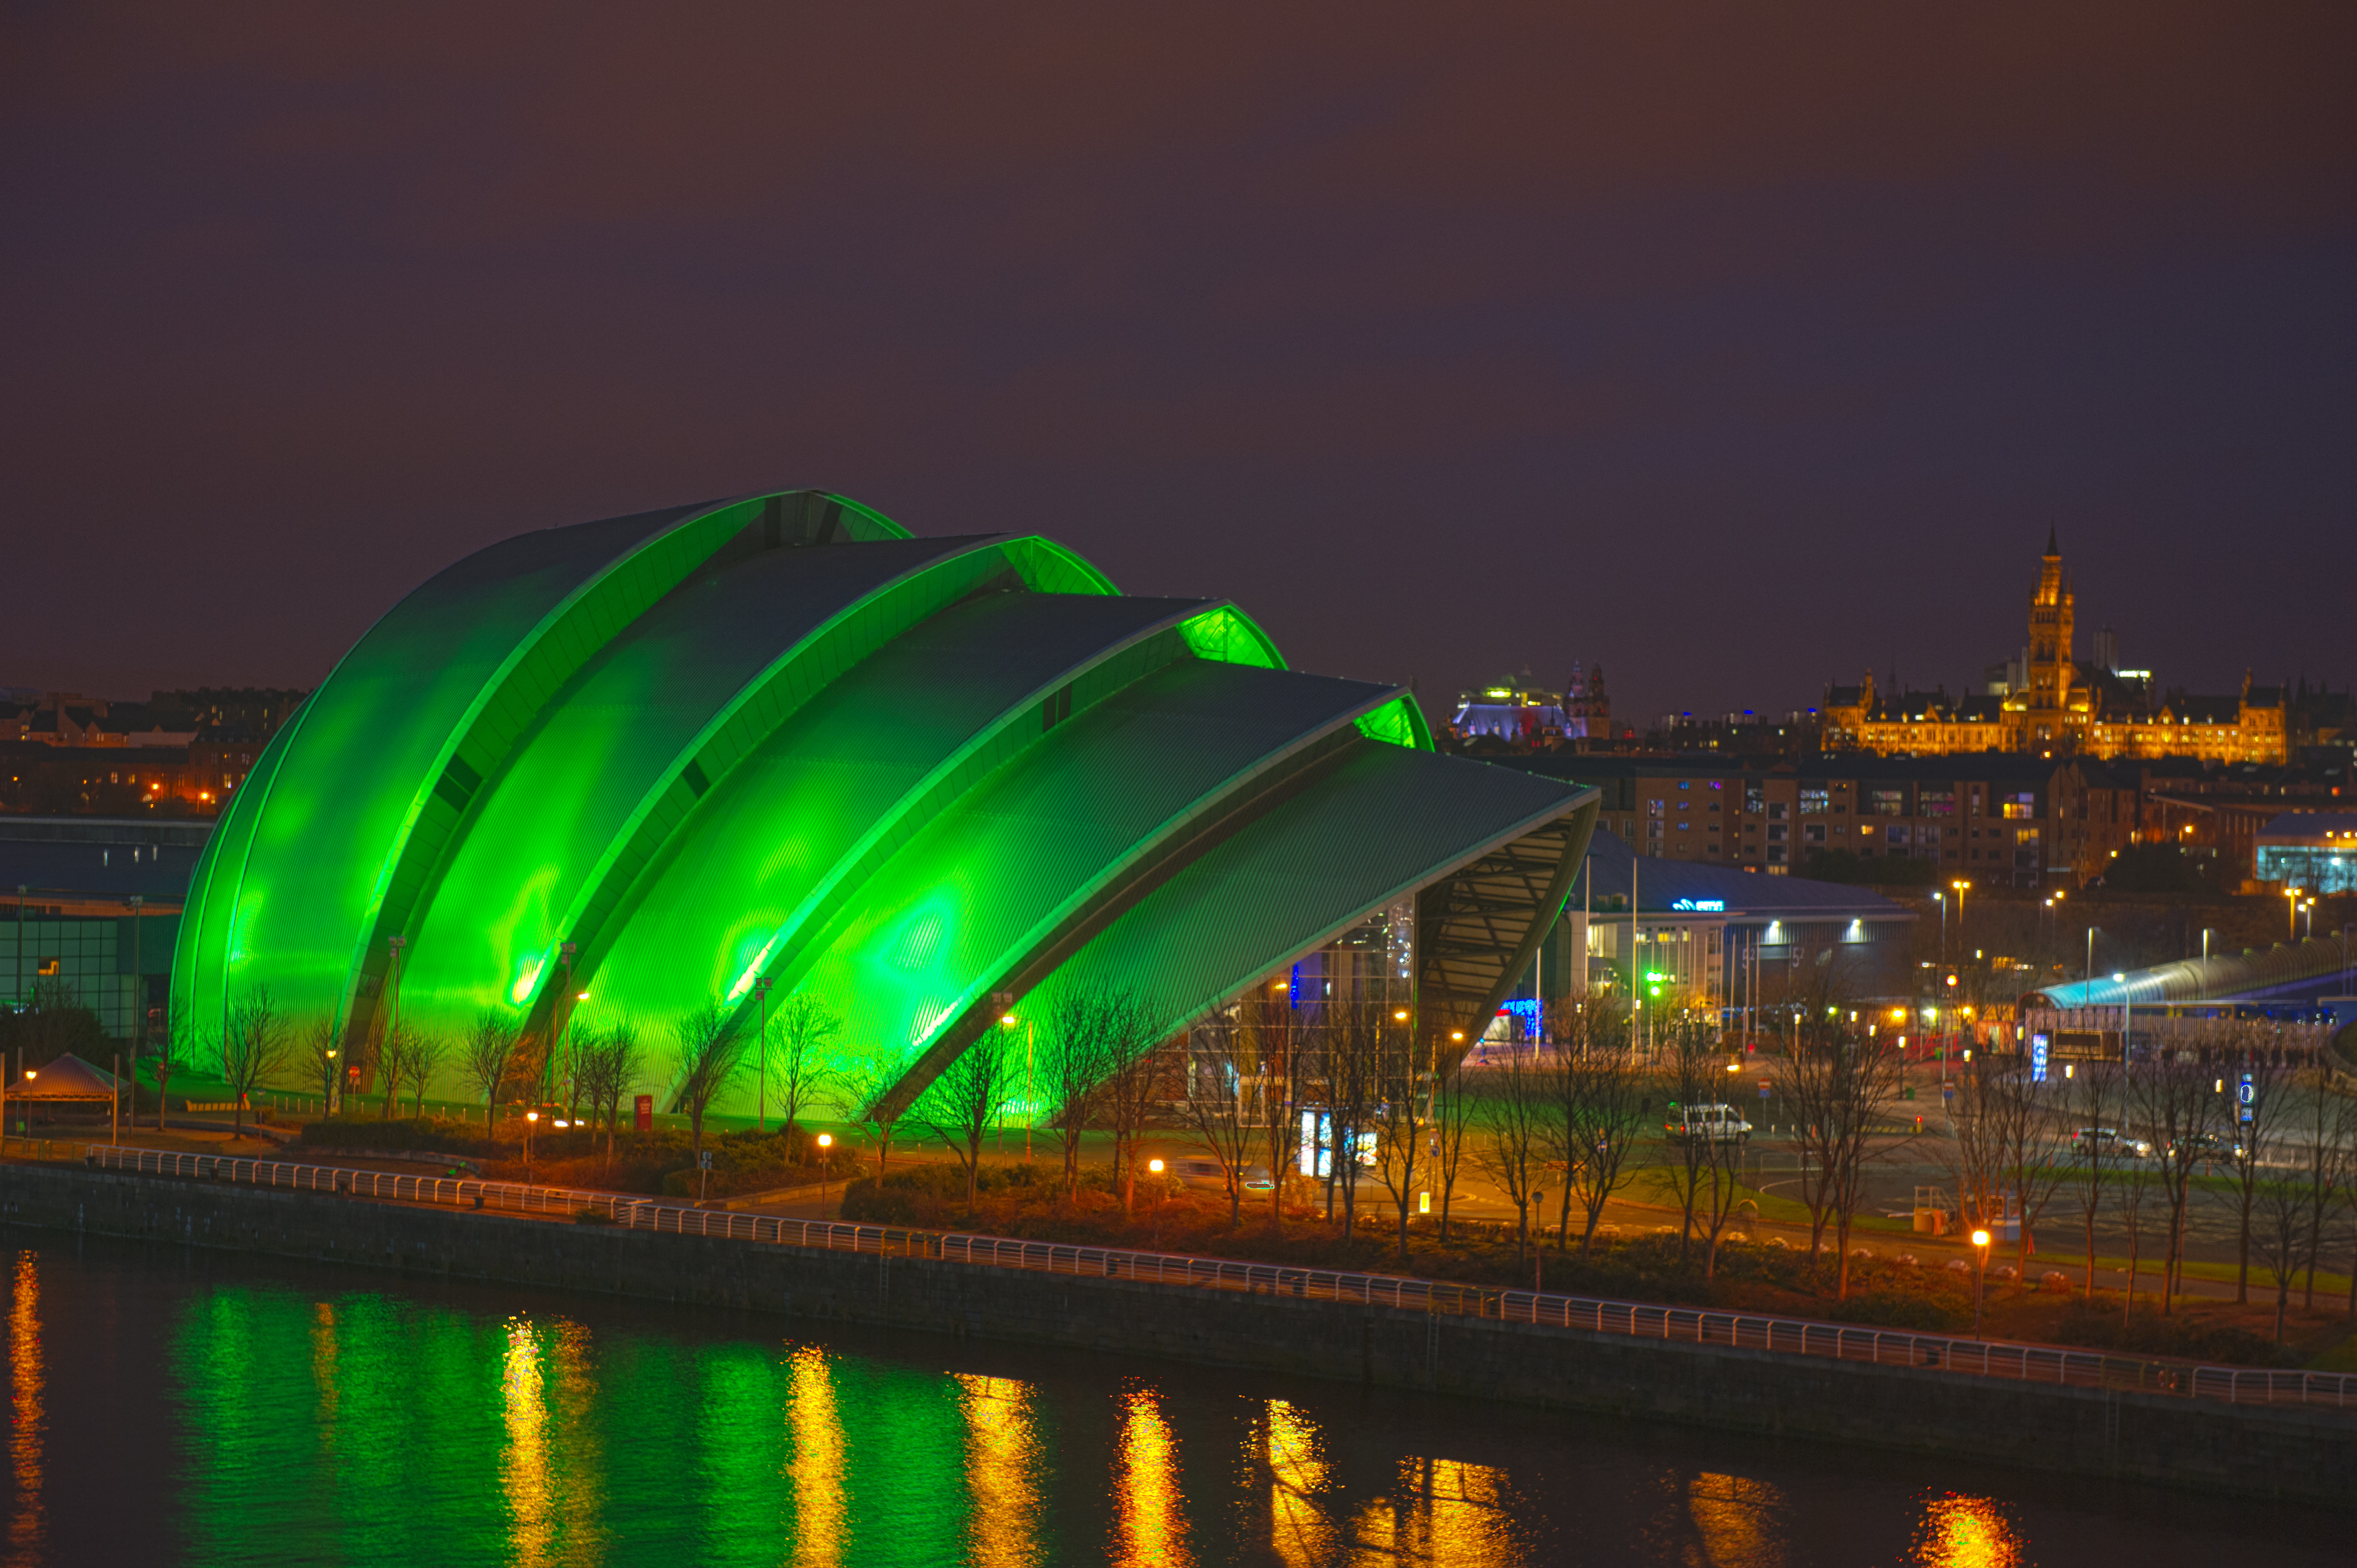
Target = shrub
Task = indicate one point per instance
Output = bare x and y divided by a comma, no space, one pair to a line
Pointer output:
395,1137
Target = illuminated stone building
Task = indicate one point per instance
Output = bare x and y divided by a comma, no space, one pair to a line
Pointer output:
2057,705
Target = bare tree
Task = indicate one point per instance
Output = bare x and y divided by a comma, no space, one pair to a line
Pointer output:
2286,1222
179,1040
422,1054
1078,1058
254,1044
1690,1074
797,1053
2092,1100
2130,1197
2180,1108
2035,1145
1287,1049
321,1041
491,1054
1510,1133
1843,1081
1599,1098
1355,1042
862,1090
1400,1151
1452,1121
967,1097
1703,1165
2322,1136
610,1064
2270,1103
1981,1115
710,1054
1126,1098
1223,1086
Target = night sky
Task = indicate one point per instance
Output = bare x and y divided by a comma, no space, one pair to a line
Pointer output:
1737,346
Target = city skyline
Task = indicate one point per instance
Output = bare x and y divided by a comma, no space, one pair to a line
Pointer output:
1641,338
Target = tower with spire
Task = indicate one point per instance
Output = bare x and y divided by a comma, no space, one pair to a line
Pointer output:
2049,701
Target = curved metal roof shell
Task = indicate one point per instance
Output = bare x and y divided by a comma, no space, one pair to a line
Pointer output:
2227,977
619,771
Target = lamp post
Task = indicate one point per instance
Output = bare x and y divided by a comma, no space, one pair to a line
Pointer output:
1155,1167
825,1142
138,1006
2090,975
762,1059
1942,900
1980,1277
1962,887
530,1119
2291,913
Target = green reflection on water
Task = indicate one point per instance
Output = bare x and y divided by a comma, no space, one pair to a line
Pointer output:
370,1429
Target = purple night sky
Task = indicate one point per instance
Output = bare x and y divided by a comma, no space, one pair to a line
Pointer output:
1735,346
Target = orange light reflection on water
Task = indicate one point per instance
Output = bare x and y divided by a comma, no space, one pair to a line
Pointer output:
549,1468
816,1467
1002,1455
1966,1532
1444,1513
1149,1518
1299,1531
27,1519
523,1465
1737,1520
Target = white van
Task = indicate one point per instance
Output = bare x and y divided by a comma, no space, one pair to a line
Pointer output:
1717,1124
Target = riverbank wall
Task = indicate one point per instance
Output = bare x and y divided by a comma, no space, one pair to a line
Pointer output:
2290,1452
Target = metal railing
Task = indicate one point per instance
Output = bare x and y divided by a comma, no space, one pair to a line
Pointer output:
1695,1326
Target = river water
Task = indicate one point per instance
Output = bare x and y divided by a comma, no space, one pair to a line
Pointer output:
169,1406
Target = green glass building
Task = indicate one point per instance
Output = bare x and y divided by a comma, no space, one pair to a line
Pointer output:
658,758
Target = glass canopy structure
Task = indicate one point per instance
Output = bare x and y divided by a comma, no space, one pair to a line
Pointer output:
624,770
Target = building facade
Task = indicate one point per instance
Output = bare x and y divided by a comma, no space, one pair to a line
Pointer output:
2012,819
2053,704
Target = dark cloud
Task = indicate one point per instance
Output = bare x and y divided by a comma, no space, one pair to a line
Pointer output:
1735,346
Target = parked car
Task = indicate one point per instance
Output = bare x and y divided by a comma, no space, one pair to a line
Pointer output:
2110,1144
1203,1174
2216,1148
1716,1124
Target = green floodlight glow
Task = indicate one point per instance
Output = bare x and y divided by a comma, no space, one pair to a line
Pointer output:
779,739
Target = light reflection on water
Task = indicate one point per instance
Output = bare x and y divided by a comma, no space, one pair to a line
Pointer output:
1966,1532
815,1468
378,1426
1149,1515
26,1418
1002,1455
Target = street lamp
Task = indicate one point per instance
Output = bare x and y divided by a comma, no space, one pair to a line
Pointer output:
1155,1166
530,1117
2291,911
1980,1277
1962,887
762,1060
825,1142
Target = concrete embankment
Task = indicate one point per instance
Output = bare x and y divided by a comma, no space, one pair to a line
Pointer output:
2287,1452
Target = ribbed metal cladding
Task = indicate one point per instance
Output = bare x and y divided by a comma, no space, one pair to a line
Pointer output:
651,761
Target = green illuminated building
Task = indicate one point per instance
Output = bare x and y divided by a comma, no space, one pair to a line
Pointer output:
660,757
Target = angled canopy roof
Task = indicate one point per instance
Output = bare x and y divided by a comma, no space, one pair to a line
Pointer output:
68,1078
618,773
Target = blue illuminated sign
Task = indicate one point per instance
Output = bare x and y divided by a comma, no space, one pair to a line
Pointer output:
2038,1059
1700,906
